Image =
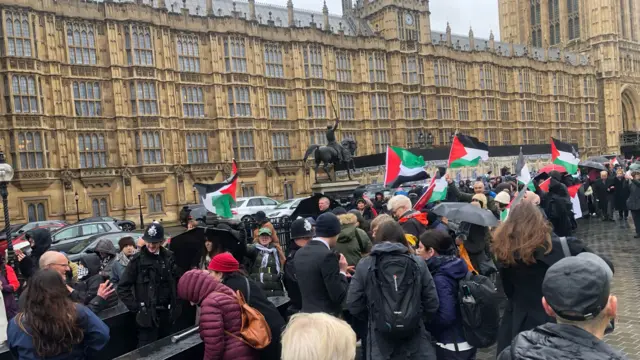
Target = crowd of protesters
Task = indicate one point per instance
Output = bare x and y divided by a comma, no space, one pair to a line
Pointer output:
379,275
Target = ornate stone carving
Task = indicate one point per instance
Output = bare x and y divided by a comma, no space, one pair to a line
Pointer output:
126,176
67,179
179,170
226,169
269,168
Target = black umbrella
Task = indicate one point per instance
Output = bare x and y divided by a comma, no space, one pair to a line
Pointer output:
188,248
592,164
466,212
599,159
309,206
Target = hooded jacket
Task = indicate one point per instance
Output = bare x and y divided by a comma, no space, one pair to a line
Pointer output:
379,347
41,244
352,242
219,315
558,207
414,223
86,289
446,325
105,246
558,341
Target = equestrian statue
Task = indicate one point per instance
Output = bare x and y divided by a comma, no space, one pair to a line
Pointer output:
333,153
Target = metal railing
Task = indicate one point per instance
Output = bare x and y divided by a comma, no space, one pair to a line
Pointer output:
281,225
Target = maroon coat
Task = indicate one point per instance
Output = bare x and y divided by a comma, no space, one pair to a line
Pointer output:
219,312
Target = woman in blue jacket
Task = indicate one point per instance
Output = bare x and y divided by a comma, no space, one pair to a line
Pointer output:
53,327
438,249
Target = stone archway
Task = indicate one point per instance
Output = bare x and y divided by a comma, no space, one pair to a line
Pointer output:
630,109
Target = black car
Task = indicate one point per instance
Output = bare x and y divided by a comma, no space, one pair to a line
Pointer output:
125,225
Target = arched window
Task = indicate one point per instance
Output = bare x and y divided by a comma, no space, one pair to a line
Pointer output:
103,207
197,152
81,44
192,101
36,212
188,57
25,97
154,202
95,205
17,34
143,101
92,150
150,151
573,25
86,98
31,150
138,45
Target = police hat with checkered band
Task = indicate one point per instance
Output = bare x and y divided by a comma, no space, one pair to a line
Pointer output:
154,233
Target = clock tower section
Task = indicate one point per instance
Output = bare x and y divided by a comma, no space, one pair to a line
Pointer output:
405,20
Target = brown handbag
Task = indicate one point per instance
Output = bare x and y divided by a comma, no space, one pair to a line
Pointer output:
255,331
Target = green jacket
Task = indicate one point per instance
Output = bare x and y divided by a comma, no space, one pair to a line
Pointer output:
353,242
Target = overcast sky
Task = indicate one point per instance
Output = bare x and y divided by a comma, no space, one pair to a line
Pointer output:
482,15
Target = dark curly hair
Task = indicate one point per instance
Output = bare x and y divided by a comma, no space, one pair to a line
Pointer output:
49,316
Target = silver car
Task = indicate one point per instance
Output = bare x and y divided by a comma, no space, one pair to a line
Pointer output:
248,206
68,236
284,209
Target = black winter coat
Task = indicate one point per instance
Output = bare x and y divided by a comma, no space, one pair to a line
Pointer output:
621,193
266,276
290,280
41,244
559,341
138,283
523,287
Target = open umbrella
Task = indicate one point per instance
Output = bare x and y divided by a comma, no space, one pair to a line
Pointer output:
309,206
598,159
634,167
552,167
592,164
466,212
188,248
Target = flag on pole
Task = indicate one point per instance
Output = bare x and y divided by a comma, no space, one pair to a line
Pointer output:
219,198
467,151
575,200
564,154
523,174
403,166
437,190
613,162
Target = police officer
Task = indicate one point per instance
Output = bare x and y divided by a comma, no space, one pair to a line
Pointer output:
301,232
148,287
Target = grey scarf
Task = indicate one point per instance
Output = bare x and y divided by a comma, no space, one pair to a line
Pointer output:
122,259
265,258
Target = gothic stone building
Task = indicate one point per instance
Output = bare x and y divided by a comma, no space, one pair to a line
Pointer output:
607,31
121,101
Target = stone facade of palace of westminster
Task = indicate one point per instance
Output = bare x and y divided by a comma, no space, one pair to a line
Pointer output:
127,104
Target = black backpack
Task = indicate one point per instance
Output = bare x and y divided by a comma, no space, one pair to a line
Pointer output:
395,304
479,309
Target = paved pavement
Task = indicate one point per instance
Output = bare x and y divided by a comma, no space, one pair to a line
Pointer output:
615,241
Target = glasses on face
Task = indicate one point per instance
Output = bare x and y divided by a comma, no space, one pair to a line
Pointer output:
63,265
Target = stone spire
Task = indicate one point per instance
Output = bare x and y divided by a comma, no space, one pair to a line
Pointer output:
472,42
448,34
292,21
512,49
325,16
252,10
209,7
492,41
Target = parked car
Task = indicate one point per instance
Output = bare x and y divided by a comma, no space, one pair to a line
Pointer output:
67,237
19,231
87,245
126,225
248,206
284,209
192,211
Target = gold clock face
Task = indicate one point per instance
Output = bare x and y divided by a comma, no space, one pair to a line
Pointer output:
408,19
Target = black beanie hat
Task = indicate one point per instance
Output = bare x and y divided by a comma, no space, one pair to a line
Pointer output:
327,225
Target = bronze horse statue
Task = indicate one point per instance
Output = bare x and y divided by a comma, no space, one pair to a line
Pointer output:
327,155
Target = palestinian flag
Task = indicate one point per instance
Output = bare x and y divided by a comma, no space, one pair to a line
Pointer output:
437,190
544,186
219,198
403,166
467,151
575,200
522,171
614,162
564,154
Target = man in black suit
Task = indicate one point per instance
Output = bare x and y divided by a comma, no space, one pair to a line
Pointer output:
321,273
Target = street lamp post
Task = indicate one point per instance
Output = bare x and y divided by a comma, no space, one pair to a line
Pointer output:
77,208
195,198
429,140
421,143
140,207
6,174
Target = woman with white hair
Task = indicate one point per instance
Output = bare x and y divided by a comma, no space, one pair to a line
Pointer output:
318,336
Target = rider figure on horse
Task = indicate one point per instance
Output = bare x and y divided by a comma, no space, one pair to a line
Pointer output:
343,154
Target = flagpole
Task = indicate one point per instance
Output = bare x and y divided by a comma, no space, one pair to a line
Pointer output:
455,134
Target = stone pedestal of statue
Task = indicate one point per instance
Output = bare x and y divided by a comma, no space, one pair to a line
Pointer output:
336,190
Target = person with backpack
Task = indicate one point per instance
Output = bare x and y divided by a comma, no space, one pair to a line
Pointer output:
394,291
438,249
414,223
525,247
225,268
220,320
353,242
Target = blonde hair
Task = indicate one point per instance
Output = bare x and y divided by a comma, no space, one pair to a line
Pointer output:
399,201
318,336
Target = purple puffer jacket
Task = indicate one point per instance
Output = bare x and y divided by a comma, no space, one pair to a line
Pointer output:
219,312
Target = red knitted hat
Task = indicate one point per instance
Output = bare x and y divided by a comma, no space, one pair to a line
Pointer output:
224,263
